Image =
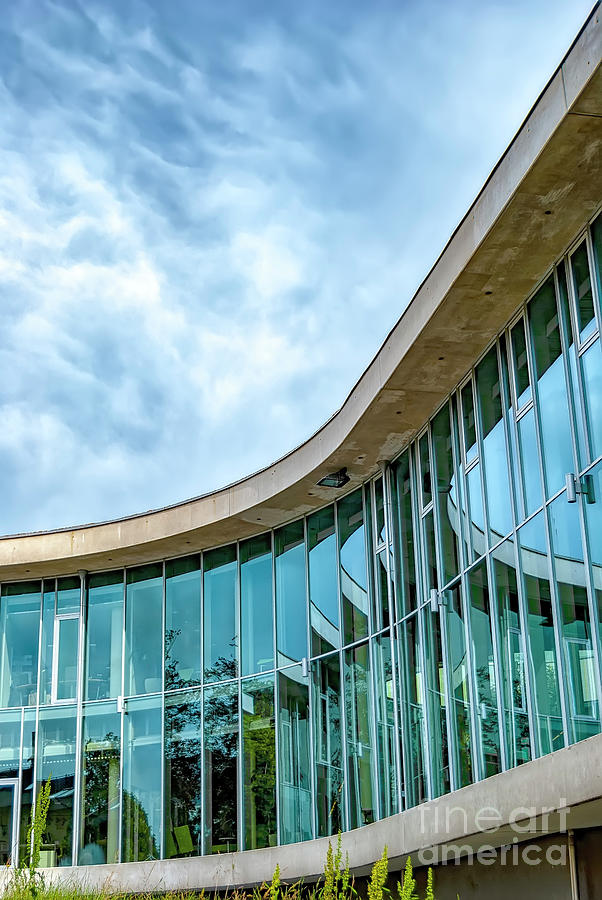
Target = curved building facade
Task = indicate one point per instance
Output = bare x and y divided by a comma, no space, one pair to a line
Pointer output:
404,606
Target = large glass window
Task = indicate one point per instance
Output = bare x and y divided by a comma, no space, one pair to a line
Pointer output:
291,609
141,832
219,614
459,678
99,833
220,734
323,590
495,451
294,778
353,572
182,622
19,629
330,797
446,494
27,779
104,636
565,533
259,761
56,760
412,710
584,299
144,630
485,673
385,727
540,623
257,614
183,821
436,699
358,706
406,575
514,686
551,387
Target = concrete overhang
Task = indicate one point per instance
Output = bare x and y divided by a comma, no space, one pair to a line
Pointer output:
547,796
541,193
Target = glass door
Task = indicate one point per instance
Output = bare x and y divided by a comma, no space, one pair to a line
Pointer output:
8,822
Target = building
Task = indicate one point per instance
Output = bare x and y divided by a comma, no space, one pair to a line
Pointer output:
400,619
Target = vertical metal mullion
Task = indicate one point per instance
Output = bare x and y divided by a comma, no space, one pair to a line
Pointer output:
388,497
342,675
523,614
276,687
162,810
19,794
592,602
77,791
473,694
564,345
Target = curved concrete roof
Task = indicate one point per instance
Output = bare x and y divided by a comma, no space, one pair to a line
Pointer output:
540,194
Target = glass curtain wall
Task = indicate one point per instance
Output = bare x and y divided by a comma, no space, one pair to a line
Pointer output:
436,625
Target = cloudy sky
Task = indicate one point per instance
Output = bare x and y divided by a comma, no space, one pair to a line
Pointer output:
212,213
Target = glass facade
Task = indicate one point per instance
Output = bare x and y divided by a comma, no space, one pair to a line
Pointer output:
436,625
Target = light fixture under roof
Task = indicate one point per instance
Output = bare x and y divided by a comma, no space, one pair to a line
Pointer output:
335,479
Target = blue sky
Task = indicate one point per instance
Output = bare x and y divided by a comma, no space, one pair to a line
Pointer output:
212,213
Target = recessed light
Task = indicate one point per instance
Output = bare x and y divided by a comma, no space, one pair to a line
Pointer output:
335,479
548,212
488,293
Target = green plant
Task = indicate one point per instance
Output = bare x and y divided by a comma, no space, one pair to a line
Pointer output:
274,888
37,827
430,891
377,886
338,884
406,889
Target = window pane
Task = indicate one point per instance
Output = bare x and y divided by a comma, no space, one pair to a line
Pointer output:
66,670
584,299
593,515
513,688
385,727
10,743
104,634
183,775
323,591
257,616
476,520
573,364
27,765
527,438
460,686
379,506
495,452
354,583
219,614
468,419
220,730
485,674
182,622
20,624
99,838
291,607
591,361
143,630
358,705
402,507
446,495
259,760
520,362
540,622
436,703
68,596
294,754
48,609
551,387
330,796
142,780
426,490
56,760
580,664
412,710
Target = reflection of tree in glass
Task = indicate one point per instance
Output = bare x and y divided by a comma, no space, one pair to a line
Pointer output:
173,679
140,843
183,750
100,764
260,766
221,751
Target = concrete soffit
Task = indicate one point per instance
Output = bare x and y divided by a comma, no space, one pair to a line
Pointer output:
543,191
